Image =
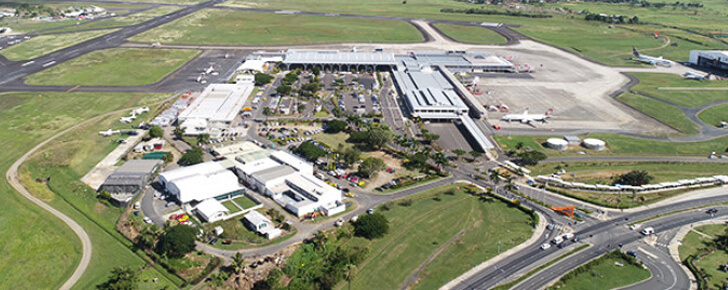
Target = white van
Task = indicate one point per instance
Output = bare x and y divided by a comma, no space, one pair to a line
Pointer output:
648,231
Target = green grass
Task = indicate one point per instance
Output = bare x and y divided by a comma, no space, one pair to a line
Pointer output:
333,140
243,238
605,274
245,202
509,285
115,67
411,240
230,206
711,263
602,171
44,44
120,21
470,34
224,27
619,200
40,251
665,113
714,115
622,145
650,82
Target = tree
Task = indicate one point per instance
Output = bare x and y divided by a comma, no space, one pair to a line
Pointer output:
156,132
531,157
168,158
149,236
351,156
300,108
237,263
418,161
319,240
494,177
192,157
519,145
475,154
459,152
634,178
315,71
203,138
430,137
335,126
371,226
370,167
178,132
349,273
284,89
178,241
378,137
309,151
267,111
122,278
262,79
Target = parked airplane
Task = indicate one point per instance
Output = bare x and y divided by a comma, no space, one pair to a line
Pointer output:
209,70
109,132
127,119
140,110
695,76
650,59
527,118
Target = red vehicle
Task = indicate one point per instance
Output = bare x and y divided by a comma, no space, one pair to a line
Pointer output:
346,176
496,126
390,170
354,179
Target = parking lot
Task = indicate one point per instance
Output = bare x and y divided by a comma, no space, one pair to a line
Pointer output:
452,136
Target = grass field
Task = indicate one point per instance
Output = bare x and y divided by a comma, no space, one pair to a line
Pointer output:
710,263
125,20
604,273
244,202
44,44
248,28
31,25
478,229
650,82
39,251
230,206
243,238
621,145
333,140
602,171
470,34
115,67
665,113
620,200
714,115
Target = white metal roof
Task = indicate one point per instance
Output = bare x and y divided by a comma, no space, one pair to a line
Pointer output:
296,56
202,168
210,207
256,218
218,102
256,166
293,161
252,65
201,187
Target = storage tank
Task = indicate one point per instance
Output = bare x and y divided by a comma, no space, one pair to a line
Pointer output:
556,143
594,144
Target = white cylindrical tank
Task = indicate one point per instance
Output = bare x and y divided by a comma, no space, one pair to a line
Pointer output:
556,143
594,144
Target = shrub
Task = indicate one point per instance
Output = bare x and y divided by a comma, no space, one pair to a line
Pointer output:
371,226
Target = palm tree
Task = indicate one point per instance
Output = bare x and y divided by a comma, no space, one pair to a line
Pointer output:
495,178
475,154
178,132
509,184
203,138
349,273
319,239
238,263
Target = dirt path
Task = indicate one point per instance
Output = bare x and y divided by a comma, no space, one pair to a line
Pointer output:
13,179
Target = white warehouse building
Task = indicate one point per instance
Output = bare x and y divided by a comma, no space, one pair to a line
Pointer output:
196,183
215,108
284,177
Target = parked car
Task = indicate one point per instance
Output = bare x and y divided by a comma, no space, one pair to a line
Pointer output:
147,220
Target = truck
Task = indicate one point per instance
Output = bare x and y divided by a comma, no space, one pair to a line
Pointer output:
568,236
557,240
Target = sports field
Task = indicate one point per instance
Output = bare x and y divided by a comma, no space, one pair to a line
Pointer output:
470,34
223,27
690,93
44,44
39,251
714,115
665,113
470,231
115,67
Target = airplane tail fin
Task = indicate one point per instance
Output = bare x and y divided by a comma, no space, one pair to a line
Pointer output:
635,52
549,112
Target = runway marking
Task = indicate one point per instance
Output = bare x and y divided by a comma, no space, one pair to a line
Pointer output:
73,88
50,63
28,63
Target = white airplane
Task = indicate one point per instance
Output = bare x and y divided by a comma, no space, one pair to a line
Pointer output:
695,76
209,70
527,118
140,110
109,132
127,119
650,59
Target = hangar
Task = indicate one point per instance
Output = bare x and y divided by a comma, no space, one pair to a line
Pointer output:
200,182
215,108
129,179
713,59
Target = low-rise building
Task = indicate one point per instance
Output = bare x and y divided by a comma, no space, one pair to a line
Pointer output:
211,210
215,108
259,223
129,179
199,182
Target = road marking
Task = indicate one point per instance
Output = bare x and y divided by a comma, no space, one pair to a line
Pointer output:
647,253
28,63
50,63
73,88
